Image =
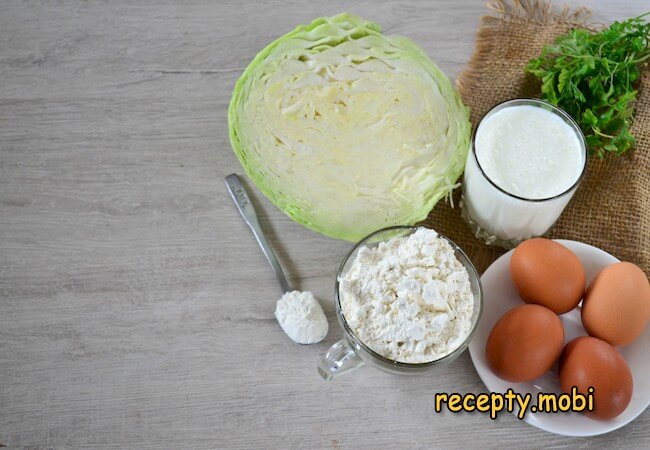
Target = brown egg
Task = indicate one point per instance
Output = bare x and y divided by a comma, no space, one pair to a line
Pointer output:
548,274
590,362
616,307
525,343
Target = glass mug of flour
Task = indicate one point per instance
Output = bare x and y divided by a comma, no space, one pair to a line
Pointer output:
408,300
525,164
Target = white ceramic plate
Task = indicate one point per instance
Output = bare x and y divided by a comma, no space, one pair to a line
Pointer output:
500,296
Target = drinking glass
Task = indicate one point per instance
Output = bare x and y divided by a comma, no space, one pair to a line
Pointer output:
350,352
504,219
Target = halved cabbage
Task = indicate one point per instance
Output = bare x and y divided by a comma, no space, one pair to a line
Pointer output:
347,130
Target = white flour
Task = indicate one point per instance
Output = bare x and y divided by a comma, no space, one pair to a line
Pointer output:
301,317
409,298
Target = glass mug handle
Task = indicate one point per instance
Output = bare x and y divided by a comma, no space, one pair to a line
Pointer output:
339,358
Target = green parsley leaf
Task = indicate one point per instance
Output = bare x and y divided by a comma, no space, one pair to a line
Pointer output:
592,76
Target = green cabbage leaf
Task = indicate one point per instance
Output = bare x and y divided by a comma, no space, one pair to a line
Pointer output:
348,130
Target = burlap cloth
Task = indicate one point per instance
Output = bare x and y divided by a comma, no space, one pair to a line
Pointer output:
611,208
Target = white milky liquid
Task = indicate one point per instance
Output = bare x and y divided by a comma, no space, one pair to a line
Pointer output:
528,152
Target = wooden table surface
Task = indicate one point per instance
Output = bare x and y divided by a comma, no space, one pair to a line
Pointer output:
136,311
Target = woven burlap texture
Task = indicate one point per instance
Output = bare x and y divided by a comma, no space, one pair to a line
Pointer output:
611,208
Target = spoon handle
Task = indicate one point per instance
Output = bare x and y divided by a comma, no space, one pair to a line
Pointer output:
247,211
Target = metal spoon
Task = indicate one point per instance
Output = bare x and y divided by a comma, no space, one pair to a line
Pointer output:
247,211
304,322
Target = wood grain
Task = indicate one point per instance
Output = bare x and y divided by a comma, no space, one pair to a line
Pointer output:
136,311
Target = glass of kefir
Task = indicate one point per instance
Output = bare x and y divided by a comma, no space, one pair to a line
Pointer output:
526,162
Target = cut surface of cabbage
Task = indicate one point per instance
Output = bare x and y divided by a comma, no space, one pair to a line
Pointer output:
348,130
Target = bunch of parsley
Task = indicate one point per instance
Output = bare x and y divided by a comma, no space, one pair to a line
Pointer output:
592,76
